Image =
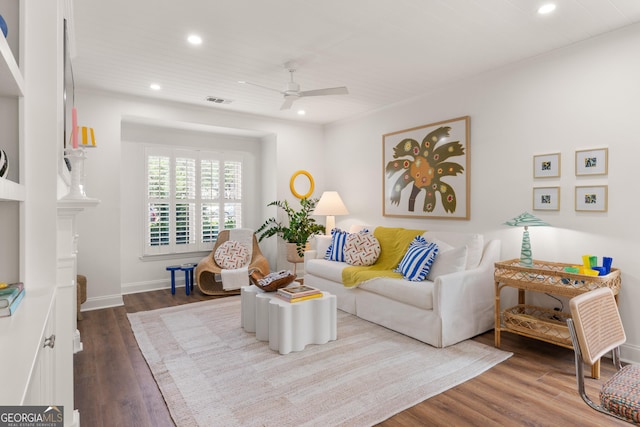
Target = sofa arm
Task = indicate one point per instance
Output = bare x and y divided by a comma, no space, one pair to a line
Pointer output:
309,255
464,301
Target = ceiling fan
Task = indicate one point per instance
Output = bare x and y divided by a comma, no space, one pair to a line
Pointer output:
293,92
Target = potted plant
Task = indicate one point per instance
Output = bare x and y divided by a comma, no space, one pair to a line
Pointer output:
298,230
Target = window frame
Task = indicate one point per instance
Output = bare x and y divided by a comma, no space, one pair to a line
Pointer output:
196,226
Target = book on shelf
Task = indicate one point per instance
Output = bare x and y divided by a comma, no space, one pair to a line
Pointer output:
298,291
9,293
299,299
8,311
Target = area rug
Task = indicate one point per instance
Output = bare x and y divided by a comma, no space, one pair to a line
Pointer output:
213,373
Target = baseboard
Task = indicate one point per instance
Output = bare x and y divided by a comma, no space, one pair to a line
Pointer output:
127,288
77,342
151,285
630,353
102,302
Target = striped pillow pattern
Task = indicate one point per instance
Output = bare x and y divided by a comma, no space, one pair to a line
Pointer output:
335,251
416,263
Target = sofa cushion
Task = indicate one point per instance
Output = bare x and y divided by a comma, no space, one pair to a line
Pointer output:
231,255
320,243
361,248
473,242
330,270
417,260
449,260
412,293
356,228
335,251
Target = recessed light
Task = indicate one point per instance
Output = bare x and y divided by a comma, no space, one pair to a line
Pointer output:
301,112
194,39
546,8
154,86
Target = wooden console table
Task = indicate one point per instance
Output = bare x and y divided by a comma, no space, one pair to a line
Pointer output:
550,278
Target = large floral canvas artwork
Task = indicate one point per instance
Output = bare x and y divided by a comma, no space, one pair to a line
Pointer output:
426,171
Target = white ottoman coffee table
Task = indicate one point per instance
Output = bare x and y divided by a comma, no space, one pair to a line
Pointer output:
288,326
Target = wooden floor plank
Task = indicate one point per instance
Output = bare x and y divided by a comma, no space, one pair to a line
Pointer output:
535,387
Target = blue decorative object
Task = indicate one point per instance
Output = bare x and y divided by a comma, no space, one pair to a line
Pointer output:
417,261
3,26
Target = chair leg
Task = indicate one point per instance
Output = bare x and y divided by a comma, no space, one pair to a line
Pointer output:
172,269
580,373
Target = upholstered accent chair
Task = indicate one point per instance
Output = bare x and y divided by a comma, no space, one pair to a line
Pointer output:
596,329
210,275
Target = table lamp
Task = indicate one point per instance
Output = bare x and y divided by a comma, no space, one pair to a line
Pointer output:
527,220
330,204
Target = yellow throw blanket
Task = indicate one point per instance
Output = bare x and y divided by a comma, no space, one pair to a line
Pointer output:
393,245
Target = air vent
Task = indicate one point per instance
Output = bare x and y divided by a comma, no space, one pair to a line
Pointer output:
217,100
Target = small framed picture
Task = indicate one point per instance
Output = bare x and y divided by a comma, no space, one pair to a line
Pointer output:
591,198
592,162
546,198
546,166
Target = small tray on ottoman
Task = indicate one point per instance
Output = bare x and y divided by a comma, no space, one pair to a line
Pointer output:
272,281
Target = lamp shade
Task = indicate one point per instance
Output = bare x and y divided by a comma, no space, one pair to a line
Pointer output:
526,220
88,137
330,204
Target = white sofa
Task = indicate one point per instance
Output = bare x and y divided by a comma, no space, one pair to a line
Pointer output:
440,311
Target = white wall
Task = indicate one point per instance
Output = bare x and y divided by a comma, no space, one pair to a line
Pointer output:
106,255
585,96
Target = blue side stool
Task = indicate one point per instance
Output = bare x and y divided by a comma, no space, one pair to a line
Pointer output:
188,277
172,269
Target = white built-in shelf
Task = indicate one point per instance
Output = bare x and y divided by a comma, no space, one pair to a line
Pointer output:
11,80
21,334
11,191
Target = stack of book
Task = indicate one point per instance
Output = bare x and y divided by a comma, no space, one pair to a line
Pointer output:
298,293
10,297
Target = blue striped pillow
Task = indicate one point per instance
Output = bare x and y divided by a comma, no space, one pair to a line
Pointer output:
416,263
335,251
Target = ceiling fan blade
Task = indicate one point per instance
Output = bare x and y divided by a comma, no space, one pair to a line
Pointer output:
328,91
263,87
288,102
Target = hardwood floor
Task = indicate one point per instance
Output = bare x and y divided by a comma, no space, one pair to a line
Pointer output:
535,387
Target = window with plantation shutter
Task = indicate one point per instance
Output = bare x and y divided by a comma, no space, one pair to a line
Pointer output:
190,196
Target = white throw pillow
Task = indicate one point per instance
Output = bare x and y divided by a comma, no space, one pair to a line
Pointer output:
474,243
356,228
361,249
231,255
322,244
448,261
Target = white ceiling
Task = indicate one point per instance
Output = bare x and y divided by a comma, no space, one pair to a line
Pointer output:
384,51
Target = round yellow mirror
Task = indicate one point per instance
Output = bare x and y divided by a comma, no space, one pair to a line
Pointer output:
292,185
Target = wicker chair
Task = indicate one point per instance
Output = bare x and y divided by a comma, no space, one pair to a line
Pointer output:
208,272
595,330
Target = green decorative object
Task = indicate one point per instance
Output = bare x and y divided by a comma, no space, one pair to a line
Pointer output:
527,220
